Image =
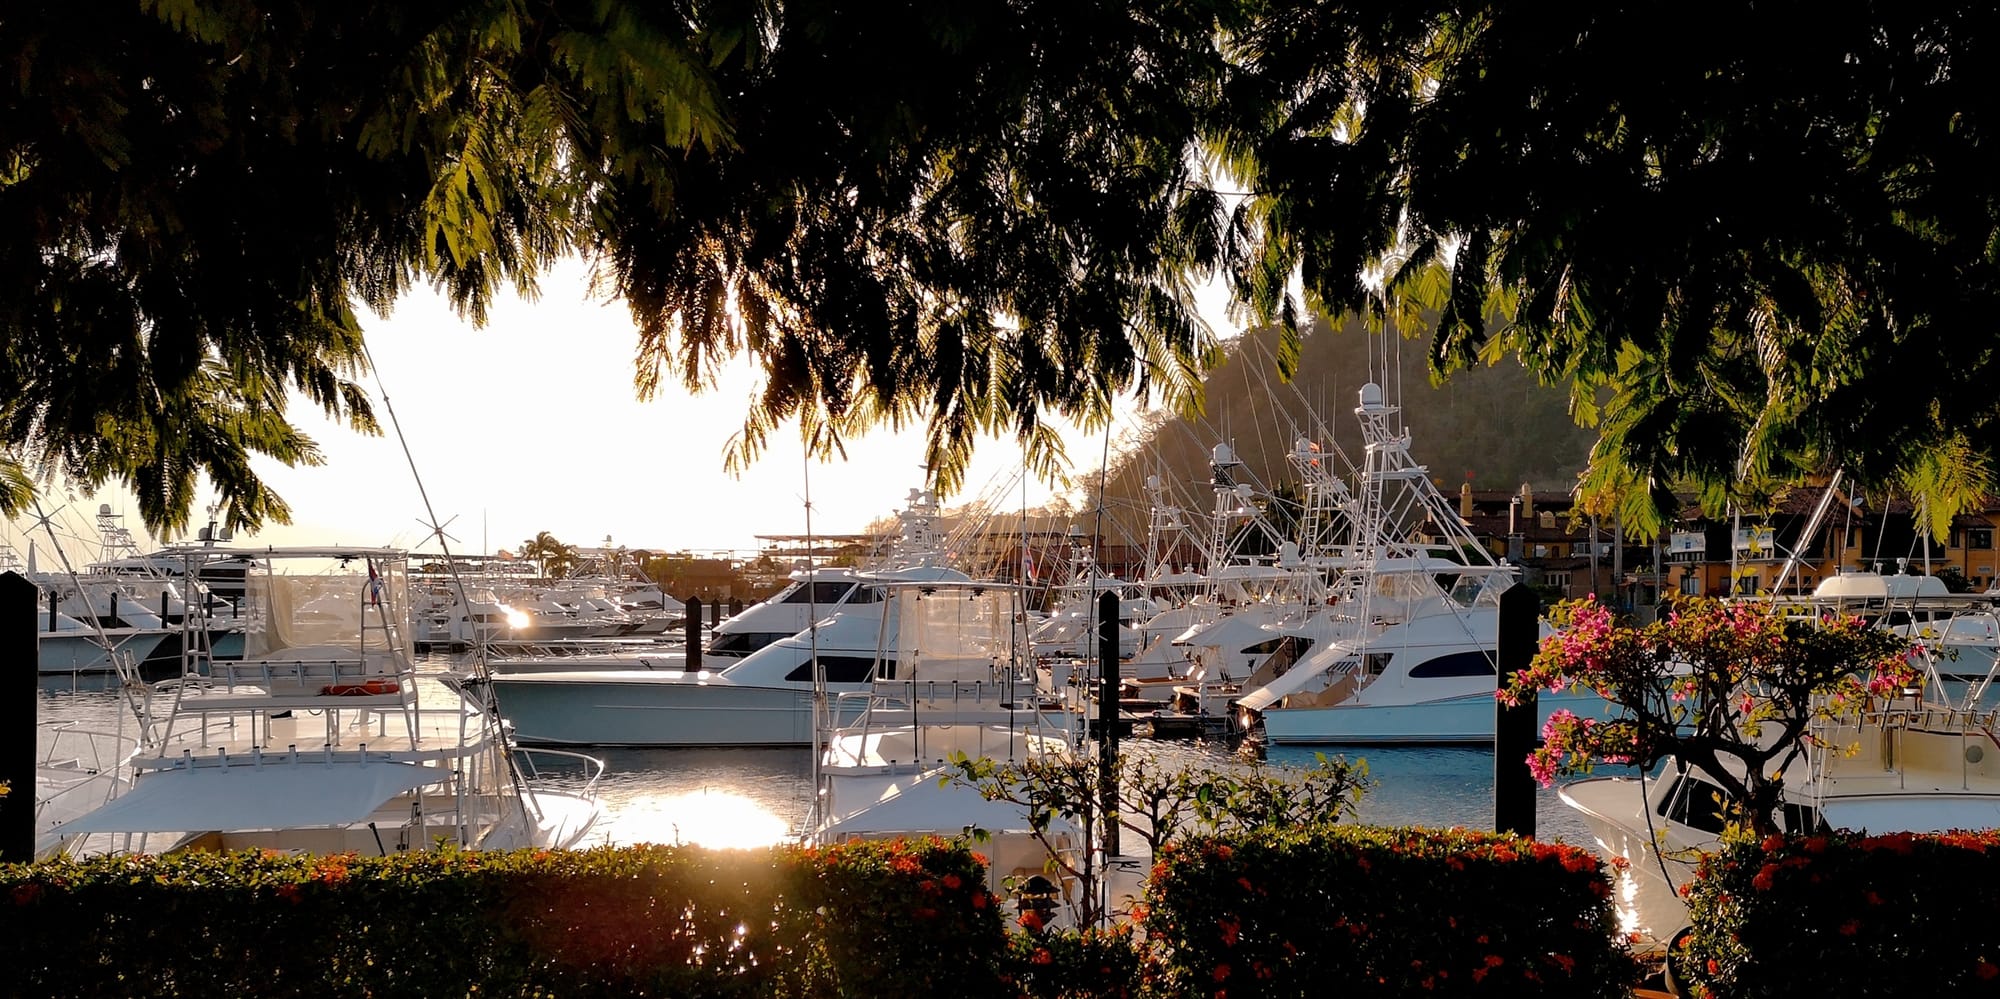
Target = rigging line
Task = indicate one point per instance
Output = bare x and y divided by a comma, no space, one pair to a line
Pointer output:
489,696
1881,535
1316,413
121,660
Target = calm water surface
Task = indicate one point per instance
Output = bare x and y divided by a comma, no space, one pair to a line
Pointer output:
750,797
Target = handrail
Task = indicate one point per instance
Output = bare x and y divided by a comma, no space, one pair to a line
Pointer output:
593,766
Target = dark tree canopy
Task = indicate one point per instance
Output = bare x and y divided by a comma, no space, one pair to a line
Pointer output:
1766,232
194,194
1757,239
968,214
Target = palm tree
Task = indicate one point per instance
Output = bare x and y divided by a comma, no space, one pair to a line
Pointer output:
552,555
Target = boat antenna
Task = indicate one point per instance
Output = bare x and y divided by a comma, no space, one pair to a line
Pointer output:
1805,540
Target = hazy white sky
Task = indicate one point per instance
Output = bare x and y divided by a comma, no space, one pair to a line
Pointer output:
530,424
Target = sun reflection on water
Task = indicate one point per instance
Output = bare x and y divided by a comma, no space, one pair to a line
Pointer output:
708,817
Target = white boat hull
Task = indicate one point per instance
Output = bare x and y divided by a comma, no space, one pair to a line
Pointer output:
80,652
1463,719
1646,895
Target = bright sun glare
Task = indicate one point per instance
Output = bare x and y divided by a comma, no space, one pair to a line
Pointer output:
710,818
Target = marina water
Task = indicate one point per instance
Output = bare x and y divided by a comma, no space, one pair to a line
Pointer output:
735,797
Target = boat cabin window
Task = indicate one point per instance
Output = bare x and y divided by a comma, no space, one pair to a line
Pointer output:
1703,805
1299,646
865,595
819,592
1455,664
1697,803
743,643
842,669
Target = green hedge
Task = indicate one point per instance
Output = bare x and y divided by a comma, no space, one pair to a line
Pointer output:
1847,915
1382,912
860,919
1067,964
1371,912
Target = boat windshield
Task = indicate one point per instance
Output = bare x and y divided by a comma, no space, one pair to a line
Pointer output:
354,604
1478,589
819,591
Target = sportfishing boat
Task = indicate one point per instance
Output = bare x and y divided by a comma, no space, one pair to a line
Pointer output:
763,699
323,738
661,697
70,646
1959,630
1899,766
1421,669
1413,655
964,686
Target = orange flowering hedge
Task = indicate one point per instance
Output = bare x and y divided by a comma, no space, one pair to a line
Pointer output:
1382,912
1847,915
860,919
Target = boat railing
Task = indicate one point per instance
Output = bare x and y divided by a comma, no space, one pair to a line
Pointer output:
79,769
938,714
1928,716
592,767
73,747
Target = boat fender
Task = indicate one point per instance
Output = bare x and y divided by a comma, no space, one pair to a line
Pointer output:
369,687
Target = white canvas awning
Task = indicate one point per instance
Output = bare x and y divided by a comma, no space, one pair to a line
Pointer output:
253,796
918,806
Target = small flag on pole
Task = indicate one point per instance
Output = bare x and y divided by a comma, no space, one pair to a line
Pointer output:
374,585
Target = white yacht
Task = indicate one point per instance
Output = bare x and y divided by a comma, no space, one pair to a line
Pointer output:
323,738
963,686
650,698
1960,630
763,699
71,646
1412,656
1903,766
1420,667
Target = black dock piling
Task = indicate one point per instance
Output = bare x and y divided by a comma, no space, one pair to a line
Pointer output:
18,606
1107,715
692,622
1514,728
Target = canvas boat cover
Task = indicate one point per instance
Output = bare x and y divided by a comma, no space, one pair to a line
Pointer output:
254,796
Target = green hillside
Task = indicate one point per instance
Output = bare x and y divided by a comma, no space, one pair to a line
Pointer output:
1494,426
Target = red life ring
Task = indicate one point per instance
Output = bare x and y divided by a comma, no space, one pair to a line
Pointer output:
371,686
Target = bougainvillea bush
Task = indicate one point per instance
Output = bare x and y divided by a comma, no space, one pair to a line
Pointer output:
1382,912
1731,688
1846,915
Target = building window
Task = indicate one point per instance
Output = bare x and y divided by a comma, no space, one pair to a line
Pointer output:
1979,538
1559,580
